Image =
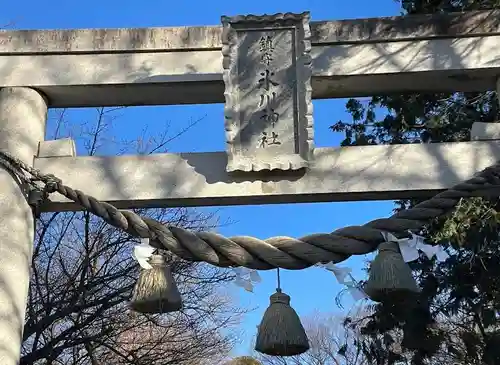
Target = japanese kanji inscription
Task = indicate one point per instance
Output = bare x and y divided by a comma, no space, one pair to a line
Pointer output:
267,77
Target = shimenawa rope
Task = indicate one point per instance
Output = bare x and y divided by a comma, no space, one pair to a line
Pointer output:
275,252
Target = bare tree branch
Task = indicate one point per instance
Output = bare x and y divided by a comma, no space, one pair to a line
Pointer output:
83,275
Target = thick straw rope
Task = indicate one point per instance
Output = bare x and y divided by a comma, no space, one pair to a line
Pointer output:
282,252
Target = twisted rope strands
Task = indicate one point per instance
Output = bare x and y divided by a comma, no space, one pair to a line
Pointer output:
283,252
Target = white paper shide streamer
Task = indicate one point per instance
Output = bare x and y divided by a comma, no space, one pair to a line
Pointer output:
143,252
246,278
411,246
344,277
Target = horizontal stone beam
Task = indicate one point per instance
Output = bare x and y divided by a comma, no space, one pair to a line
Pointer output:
398,28
337,174
161,66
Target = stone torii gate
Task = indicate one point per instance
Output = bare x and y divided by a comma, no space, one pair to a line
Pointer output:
266,70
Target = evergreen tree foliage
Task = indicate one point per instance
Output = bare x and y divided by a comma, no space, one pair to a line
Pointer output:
456,317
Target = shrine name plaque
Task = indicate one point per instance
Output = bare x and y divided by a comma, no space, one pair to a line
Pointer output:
267,77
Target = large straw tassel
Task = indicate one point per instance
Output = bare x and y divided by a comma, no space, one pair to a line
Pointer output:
155,290
280,332
390,277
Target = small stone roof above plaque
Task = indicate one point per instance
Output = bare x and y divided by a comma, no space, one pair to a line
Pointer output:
267,77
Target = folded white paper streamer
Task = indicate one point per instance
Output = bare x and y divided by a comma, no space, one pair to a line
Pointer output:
343,276
409,247
246,278
143,252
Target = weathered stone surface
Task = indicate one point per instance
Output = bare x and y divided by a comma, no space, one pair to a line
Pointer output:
450,25
485,131
64,147
22,126
267,77
183,65
335,174
195,77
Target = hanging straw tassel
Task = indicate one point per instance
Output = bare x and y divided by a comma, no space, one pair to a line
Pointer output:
390,277
280,332
156,291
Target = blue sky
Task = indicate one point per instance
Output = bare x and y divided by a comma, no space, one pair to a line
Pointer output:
311,290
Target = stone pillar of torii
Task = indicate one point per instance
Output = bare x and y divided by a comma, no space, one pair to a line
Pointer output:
23,116
267,69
